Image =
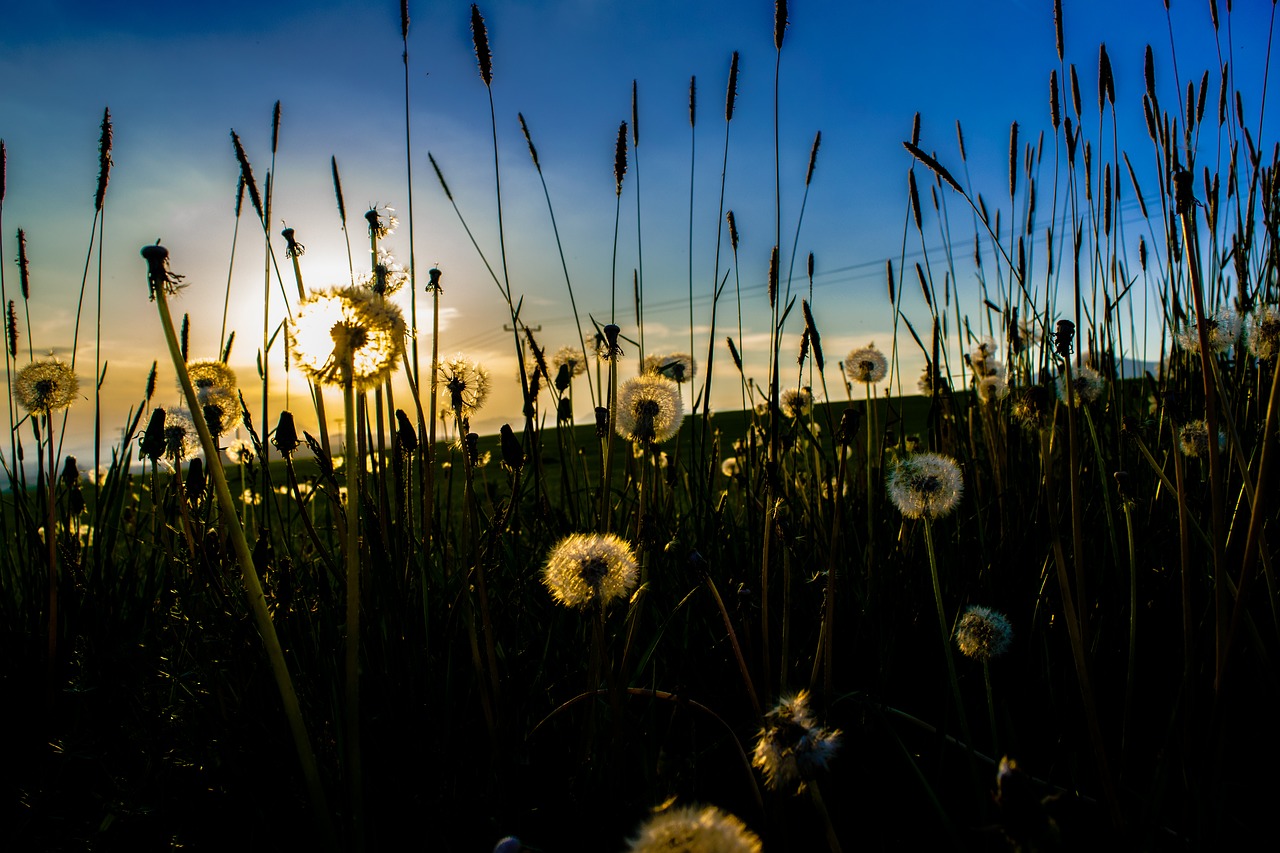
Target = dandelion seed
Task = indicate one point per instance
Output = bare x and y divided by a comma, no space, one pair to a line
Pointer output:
1031,406
694,829
584,569
1221,330
1086,384
466,384
45,386
866,365
983,633
1264,332
346,328
796,402
925,485
678,366
792,747
649,409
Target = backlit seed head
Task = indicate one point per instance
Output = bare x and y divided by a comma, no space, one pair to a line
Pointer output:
585,569
925,485
345,328
1086,385
570,357
181,441
464,385
1221,330
1193,438
45,386
796,402
1264,332
649,409
211,373
677,366
866,365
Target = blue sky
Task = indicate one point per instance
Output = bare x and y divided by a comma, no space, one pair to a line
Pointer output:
178,77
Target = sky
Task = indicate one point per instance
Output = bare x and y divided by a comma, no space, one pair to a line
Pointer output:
179,77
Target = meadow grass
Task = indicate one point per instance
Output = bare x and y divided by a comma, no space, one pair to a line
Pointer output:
355,644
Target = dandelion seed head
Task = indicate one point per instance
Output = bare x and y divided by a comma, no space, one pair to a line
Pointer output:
991,388
649,409
464,385
181,441
1264,332
1086,384
983,633
238,451
211,373
45,386
796,402
677,366
590,568
925,485
930,382
1193,438
222,404
570,357
866,365
694,829
339,324
791,747
388,277
1221,330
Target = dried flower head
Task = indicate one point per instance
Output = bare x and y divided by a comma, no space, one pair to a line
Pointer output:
866,365
1193,438
45,386
649,409
983,633
590,568
1264,332
464,385
693,829
792,747
678,366
925,485
1221,330
1086,386
570,357
345,328
211,373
